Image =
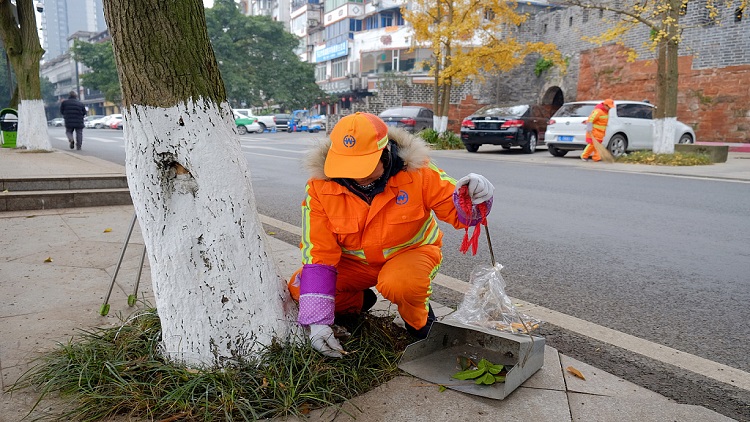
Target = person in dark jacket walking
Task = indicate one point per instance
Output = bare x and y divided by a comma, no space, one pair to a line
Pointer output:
73,112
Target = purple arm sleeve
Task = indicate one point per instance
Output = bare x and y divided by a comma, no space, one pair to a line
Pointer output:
475,217
316,294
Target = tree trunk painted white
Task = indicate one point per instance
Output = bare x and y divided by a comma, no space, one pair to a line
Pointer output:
441,123
664,135
32,126
217,290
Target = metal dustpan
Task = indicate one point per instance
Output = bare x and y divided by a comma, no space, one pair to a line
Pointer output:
436,358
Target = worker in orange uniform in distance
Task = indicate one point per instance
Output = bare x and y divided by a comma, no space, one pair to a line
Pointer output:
369,219
596,126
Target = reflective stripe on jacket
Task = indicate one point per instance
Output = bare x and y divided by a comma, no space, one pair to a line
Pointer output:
599,119
336,224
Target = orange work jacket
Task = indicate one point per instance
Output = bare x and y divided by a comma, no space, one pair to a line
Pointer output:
336,224
599,119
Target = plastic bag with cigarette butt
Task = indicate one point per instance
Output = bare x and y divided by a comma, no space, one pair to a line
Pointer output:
487,305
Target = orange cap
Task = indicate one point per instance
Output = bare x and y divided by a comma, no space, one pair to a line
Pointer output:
608,102
357,142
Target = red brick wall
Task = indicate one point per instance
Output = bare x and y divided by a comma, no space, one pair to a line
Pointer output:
715,102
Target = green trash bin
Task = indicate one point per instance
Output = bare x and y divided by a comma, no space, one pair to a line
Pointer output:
8,127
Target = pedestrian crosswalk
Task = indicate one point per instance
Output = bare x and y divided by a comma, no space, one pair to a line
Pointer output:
93,138
98,139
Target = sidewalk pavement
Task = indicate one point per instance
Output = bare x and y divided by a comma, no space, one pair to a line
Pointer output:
42,303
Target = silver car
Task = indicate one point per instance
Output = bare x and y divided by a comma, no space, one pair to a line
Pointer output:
410,118
630,128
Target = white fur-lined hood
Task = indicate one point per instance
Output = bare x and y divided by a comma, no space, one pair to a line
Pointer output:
411,148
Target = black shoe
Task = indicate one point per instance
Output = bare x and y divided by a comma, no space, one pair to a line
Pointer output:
422,332
72,144
369,301
351,321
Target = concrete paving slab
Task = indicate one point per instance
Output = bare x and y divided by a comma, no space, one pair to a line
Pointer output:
22,163
585,407
42,286
16,407
410,399
28,335
92,225
602,383
550,376
85,254
21,235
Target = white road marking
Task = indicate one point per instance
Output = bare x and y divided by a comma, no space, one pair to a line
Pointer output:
274,149
105,140
93,138
274,156
696,364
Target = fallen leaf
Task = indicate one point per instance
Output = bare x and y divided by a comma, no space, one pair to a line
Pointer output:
442,388
265,383
271,233
107,230
305,408
576,372
49,259
192,370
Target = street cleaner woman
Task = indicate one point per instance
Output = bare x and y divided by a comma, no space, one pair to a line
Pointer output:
368,220
596,126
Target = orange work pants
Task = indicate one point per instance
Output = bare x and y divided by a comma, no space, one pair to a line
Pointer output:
590,151
404,279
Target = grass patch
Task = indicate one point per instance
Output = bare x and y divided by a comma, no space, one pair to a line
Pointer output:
676,159
445,140
119,371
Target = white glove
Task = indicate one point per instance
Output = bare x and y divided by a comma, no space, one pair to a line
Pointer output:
323,340
589,127
480,189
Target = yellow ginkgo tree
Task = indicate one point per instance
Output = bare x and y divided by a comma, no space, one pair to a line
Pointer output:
469,39
663,19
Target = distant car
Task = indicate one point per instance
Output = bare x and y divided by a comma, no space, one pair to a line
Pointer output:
265,122
56,122
630,128
88,121
507,126
410,118
104,122
246,124
282,121
115,123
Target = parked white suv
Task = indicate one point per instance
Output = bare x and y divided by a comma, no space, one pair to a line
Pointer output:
630,127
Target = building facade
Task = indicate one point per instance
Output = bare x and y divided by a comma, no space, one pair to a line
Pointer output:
62,18
365,57
65,75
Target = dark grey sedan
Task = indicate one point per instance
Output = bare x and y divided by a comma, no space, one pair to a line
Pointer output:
507,126
411,118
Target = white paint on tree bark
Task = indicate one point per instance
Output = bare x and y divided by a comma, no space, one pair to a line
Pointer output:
32,126
217,290
440,123
664,135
